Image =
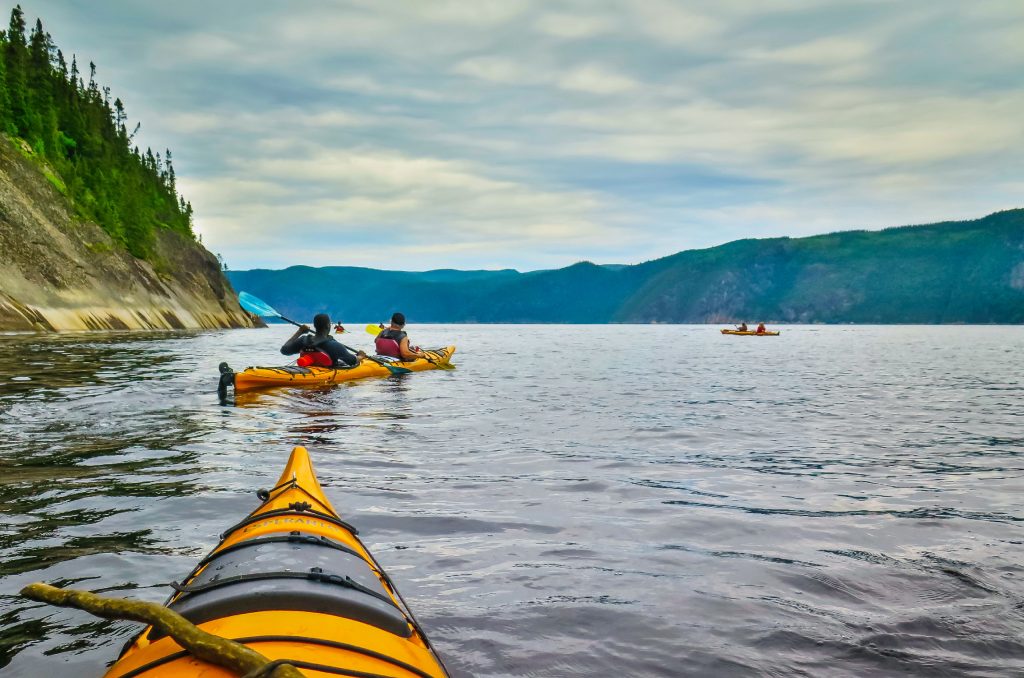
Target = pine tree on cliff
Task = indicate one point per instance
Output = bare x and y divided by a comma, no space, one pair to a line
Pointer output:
14,54
5,101
83,136
42,118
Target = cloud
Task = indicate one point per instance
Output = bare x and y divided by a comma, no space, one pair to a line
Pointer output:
573,26
836,126
534,134
365,84
672,23
498,70
225,123
417,200
821,51
596,79
478,14
590,78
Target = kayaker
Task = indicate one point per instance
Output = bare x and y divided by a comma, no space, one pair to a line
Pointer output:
761,329
320,342
394,342
742,328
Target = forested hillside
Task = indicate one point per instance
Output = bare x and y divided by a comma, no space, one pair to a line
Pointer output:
953,272
93,235
81,138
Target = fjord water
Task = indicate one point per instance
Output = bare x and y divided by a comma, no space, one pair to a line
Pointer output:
571,501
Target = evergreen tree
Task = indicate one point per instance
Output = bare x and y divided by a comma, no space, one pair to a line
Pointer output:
5,101
83,137
15,53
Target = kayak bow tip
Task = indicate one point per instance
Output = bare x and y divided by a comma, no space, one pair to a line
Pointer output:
299,470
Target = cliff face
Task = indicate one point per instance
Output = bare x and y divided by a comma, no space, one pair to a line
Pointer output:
60,273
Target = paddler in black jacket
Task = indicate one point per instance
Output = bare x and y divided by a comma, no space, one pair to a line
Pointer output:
321,340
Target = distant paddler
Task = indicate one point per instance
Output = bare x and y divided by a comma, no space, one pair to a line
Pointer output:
761,329
742,327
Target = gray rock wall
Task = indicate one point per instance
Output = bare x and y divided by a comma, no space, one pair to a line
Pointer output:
58,272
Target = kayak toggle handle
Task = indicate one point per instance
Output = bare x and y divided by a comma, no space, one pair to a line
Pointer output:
227,380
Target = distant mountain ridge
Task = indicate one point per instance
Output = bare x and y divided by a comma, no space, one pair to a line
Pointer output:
950,272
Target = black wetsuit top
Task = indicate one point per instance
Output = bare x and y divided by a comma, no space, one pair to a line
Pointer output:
328,344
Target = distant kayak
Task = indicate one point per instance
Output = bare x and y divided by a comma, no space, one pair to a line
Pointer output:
751,334
293,375
293,582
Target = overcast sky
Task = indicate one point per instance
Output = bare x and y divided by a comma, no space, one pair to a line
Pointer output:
522,134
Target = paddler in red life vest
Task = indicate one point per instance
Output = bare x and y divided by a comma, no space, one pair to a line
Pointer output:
394,342
761,329
320,349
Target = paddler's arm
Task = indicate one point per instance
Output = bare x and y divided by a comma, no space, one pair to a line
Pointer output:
407,352
295,342
340,353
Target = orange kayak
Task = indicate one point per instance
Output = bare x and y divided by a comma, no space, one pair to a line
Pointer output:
293,375
294,582
751,334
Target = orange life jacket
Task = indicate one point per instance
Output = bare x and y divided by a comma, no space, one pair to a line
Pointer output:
315,358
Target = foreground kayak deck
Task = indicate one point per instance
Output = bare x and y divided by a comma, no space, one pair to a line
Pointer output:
751,334
292,581
292,375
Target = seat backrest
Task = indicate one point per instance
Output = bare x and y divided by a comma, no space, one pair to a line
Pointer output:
388,347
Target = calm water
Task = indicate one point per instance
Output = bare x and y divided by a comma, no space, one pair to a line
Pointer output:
571,501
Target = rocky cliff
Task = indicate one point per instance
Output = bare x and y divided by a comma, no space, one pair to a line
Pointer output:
58,272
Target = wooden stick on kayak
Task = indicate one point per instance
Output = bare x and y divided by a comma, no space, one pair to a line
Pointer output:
200,644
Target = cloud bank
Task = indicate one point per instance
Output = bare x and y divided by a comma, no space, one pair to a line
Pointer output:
531,134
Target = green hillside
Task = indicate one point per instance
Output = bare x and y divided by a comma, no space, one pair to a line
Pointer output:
952,272
80,138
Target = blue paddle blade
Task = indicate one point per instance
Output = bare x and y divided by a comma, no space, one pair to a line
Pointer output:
256,306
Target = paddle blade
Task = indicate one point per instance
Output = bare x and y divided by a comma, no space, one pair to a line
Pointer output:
256,306
373,329
393,369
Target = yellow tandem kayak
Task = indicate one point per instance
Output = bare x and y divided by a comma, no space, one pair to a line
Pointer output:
294,582
751,334
293,375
